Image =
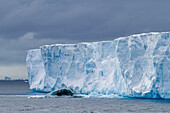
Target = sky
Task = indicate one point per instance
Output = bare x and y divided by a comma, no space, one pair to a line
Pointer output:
28,24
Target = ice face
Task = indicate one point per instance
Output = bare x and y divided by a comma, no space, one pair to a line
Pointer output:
36,70
133,66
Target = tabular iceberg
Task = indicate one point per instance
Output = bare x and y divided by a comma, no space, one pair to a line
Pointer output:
133,66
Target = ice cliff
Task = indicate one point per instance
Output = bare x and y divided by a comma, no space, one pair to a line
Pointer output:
132,66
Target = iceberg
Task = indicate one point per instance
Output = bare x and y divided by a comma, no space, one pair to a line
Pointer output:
132,66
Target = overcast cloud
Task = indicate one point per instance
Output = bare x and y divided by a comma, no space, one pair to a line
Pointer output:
28,24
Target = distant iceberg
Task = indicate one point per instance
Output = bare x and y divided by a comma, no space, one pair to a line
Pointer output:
7,78
132,66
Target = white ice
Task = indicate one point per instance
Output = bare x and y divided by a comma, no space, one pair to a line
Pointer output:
132,66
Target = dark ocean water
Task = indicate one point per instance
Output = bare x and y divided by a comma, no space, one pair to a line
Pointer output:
14,99
15,87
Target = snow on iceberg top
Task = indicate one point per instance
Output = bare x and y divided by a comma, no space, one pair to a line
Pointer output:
142,34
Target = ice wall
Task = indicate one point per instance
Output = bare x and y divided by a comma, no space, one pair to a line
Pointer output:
134,66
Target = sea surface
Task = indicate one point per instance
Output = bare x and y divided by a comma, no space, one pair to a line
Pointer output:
14,99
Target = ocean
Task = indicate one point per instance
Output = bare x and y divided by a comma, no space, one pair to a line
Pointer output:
14,99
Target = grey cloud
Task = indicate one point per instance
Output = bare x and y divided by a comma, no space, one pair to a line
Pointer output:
71,21
13,51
